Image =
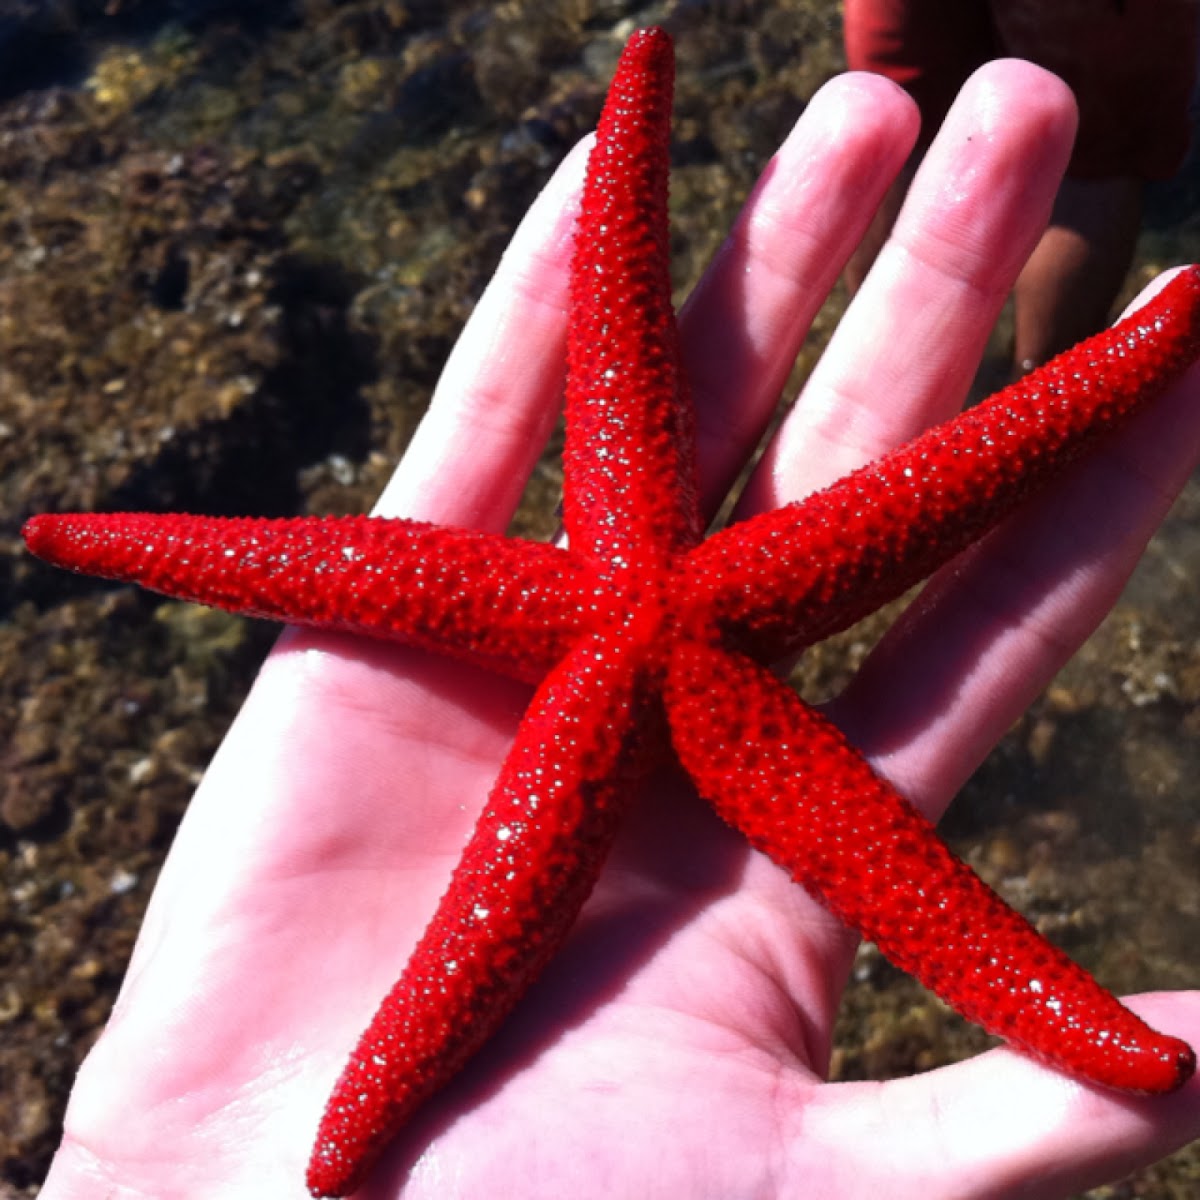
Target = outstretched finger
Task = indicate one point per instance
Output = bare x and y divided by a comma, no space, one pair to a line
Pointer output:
905,352
989,633
499,394
744,323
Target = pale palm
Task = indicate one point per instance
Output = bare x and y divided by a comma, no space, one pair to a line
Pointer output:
677,1045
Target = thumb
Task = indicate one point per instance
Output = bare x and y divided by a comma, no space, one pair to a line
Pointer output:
1001,1125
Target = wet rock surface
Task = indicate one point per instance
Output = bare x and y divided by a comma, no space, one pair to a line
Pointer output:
238,243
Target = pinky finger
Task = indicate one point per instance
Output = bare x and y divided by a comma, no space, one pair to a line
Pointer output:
499,394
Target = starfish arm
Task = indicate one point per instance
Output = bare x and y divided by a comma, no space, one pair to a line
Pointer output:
500,602
629,462
790,577
787,778
529,866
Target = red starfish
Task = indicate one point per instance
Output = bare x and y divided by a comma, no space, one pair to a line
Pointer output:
640,624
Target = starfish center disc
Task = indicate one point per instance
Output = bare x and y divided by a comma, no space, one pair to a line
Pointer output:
644,607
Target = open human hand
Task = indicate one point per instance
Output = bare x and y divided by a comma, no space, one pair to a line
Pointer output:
678,1044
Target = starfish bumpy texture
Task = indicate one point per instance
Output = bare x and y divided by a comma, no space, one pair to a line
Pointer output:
638,625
